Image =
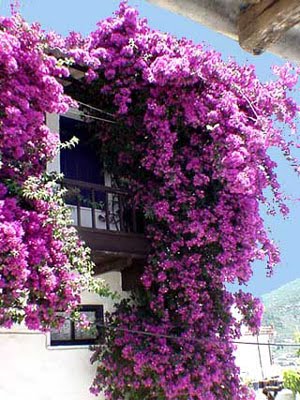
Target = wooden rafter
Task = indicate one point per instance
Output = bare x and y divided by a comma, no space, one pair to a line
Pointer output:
262,24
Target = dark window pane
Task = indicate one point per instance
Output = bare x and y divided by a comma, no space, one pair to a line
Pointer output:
82,161
92,333
63,333
71,334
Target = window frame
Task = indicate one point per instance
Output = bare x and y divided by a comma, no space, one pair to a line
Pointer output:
99,318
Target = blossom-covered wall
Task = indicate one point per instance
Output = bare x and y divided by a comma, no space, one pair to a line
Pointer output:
44,266
191,139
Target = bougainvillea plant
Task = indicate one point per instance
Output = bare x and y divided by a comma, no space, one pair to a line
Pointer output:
191,141
43,265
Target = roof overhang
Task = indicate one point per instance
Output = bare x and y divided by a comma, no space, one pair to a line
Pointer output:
258,25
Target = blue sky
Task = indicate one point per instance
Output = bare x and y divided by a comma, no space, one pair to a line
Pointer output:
67,15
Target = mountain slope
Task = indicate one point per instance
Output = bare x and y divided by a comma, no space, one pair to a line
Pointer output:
282,309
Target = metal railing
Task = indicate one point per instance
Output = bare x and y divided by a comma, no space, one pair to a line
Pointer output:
102,207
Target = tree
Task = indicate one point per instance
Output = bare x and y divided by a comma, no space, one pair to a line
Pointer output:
291,378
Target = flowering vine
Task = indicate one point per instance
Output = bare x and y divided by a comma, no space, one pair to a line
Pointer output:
43,265
192,142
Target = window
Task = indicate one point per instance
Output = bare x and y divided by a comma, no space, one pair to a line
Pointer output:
81,163
69,334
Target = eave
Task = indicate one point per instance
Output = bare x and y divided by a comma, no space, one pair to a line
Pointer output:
258,25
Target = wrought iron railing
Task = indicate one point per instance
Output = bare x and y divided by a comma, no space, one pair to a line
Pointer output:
102,207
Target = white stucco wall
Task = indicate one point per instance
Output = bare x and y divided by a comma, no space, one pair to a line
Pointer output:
52,121
32,370
254,360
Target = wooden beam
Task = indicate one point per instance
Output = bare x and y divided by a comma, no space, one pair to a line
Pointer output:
262,24
104,242
110,262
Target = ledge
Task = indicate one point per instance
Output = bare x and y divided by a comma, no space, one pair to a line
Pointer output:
113,250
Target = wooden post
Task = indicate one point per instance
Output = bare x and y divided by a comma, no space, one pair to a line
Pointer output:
121,213
262,24
107,211
78,210
93,207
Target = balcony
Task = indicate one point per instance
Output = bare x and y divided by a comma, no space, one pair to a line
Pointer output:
108,224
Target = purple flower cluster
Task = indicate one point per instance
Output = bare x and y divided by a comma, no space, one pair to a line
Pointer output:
195,149
192,139
38,274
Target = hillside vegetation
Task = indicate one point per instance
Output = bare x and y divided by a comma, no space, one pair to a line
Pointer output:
282,310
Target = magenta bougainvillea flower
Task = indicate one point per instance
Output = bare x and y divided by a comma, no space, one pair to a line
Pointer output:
193,139
195,150
43,265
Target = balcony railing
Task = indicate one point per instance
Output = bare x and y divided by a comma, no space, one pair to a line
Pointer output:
108,223
102,208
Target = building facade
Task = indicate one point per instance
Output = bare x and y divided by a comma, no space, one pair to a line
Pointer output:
56,365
